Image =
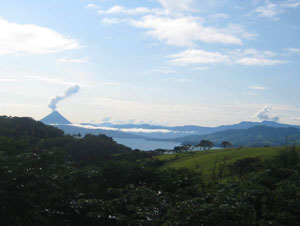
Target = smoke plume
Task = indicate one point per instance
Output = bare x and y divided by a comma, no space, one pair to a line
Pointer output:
69,92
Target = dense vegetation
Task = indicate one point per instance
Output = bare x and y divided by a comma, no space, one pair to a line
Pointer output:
48,178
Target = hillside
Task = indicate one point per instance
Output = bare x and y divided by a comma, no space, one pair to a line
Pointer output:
255,136
16,127
31,134
205,161
65,180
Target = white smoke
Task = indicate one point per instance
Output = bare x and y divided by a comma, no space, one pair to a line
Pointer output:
265,114
69,92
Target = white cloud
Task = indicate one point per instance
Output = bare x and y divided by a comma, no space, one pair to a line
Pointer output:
48,80
74,60
176,28
253,57
269,10
257,53
107,20
110,83
253,94
266,115
162,70
193,56
253,61
253,53
218,17
180,5
293,50
36,78
272,10
291,4
178,80
184,31
117,9
238,31
9,80
248,57
296,118
257,87
91,6
33,39
200,68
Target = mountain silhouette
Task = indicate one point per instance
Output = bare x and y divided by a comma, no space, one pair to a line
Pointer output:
55,118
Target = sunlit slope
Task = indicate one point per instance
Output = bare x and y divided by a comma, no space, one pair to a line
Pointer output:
205,161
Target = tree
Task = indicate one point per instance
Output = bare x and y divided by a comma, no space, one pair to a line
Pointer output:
183,148
244,166
177,149
186,147
226,144
205,144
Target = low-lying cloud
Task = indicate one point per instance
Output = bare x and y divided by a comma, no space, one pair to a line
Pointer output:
131,130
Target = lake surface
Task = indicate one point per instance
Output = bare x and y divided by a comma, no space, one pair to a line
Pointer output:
146,145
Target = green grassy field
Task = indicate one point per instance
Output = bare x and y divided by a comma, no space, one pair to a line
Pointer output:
205,161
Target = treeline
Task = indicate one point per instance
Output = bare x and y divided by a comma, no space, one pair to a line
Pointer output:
62,180
203,145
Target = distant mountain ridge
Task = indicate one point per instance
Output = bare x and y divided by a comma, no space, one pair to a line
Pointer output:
201,129
182,131
147,131
254,136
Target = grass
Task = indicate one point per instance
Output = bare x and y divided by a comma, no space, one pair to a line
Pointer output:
205,161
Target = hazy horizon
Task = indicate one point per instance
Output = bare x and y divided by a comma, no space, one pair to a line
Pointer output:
154,61
59,116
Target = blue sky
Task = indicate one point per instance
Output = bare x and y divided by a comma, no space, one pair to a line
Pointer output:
152,61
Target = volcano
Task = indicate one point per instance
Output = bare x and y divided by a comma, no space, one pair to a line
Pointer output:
55,118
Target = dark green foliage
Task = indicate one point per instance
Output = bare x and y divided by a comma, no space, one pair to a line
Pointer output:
47,178
183,148
244,166
287,158
205,144
226,144
16,128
